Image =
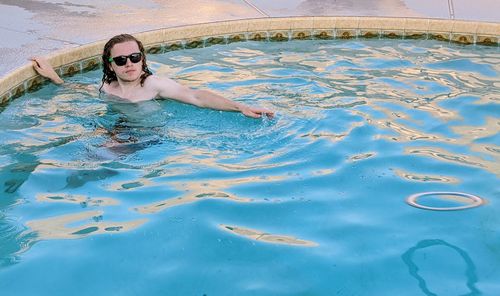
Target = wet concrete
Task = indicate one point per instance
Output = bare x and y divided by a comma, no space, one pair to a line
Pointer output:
31,27
335,7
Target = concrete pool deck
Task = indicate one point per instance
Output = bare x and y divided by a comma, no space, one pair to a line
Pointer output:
30,27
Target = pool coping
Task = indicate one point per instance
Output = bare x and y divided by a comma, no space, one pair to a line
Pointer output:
85,58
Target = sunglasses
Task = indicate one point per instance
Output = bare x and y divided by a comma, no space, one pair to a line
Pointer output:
122,60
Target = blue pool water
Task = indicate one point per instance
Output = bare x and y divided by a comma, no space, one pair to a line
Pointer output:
102,197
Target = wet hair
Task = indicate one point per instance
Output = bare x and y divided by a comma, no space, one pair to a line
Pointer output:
108,74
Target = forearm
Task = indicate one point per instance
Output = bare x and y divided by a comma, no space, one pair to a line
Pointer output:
202,98
207,99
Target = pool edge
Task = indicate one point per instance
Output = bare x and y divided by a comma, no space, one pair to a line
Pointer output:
87,57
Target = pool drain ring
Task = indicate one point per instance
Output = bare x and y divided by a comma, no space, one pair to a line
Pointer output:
475,201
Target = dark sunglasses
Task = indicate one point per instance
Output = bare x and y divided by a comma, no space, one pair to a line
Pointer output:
122,60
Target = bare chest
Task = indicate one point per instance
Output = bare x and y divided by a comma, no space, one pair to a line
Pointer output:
132,94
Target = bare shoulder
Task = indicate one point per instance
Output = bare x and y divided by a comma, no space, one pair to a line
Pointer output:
165,87
158,82
106,87
109,87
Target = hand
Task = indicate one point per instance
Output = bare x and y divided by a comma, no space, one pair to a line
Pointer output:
42,66
256,112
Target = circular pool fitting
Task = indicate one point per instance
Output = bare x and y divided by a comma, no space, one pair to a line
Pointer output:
471,200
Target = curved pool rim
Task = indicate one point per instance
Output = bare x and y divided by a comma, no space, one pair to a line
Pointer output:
85,58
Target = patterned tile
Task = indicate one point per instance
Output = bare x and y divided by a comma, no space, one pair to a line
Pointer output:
71,69
393,34
301,34
369,33
154,49
415,35
35,83
439,36
323,34
257,36
236,38
18,91
214,40
462,38
176,45
91,64
194,43
278,36
5,98
487,40
346,34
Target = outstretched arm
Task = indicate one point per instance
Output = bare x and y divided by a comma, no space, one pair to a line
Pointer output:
168,88
42,66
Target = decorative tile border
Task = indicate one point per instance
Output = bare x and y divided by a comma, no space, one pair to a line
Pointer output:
238,37
35,83
323,34
86,58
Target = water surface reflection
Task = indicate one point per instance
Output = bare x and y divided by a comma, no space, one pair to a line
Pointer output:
360,125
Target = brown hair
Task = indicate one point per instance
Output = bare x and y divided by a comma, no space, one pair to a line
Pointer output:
109,75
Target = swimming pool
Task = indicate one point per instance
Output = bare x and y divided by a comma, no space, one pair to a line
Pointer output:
162,198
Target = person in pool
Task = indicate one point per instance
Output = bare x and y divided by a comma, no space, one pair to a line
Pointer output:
126,75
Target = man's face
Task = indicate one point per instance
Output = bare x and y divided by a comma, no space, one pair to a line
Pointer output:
130,71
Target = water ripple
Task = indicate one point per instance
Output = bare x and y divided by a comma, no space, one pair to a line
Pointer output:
360,125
